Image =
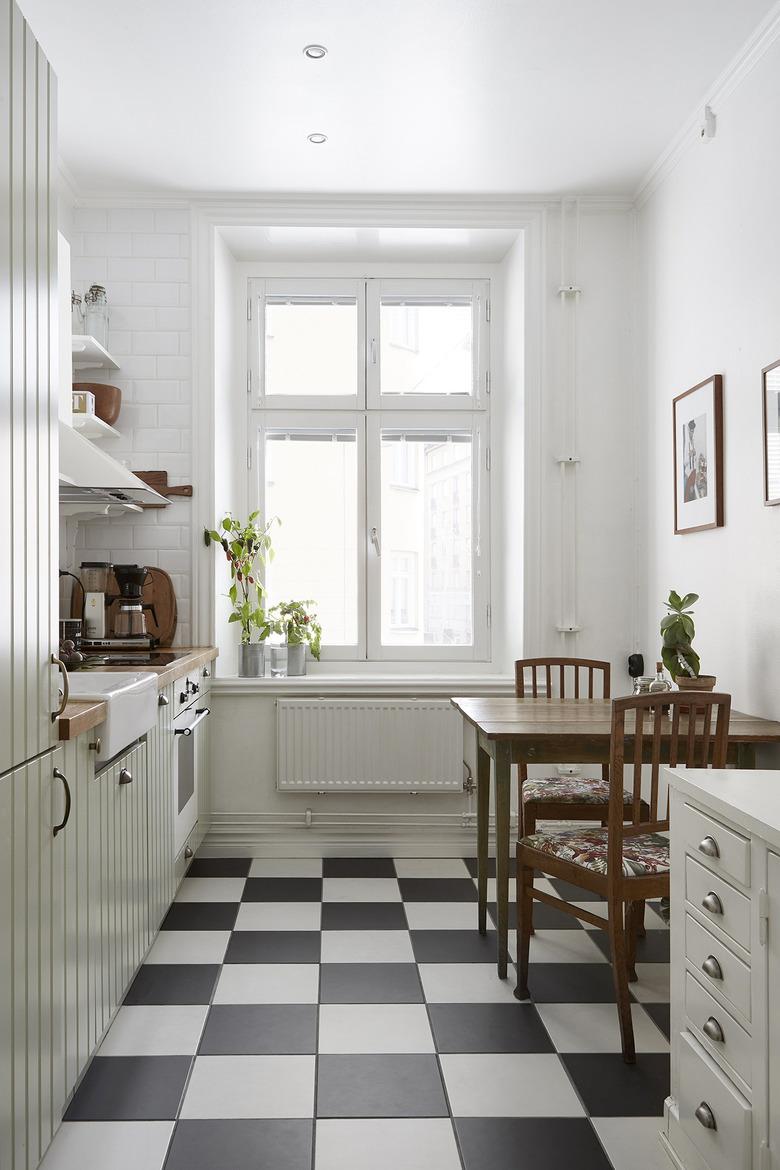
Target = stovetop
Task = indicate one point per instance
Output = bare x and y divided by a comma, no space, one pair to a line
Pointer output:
132,658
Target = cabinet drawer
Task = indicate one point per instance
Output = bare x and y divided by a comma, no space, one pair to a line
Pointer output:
704,1087
720,848
728,974
704,1011
719,902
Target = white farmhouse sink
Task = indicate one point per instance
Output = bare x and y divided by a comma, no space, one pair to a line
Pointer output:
131,699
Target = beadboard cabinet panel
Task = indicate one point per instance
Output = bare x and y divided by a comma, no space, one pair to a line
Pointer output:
773,983
160,754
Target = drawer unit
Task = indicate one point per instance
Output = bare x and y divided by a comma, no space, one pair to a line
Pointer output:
713,1114
717,966
717,1030
719,902
717,846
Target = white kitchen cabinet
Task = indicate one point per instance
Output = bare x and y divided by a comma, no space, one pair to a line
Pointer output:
160,749
773,983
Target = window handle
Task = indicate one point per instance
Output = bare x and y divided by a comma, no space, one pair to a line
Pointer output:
373,351
375,542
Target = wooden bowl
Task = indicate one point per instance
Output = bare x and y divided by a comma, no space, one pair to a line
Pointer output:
108,400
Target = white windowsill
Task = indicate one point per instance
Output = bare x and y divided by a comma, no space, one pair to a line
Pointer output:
360,685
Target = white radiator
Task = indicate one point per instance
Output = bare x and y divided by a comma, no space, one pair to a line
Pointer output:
368,745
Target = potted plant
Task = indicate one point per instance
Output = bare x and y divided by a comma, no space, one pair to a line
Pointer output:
246,547
679,656
299,627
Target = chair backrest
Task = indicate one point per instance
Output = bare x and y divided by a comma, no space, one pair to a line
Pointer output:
562,678
642,734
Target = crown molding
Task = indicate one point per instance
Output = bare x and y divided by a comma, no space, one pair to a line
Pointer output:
729,80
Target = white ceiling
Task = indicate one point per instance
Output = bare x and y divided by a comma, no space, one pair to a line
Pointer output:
422,245
460,96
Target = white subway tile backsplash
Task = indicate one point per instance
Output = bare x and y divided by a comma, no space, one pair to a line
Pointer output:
156,343
87,270
173,367
174,416
157,293
89,219
173,319
179,467
157,390
132,317
139,366
124,268
107,244
130,219
156,537
178,270
157,244
175,560
172,220
156,439
118,342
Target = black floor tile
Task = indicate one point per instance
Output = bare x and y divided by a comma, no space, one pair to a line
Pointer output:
370,983
283,889
274,946
488,1027
545,917
130,1088
201,916
172,983
380,1086
437,889
241,1145
260,1029
538,1143
363,916
453,946
611,1088
471,866
660,1013
358,867
220,867
574,893
571,983
653,948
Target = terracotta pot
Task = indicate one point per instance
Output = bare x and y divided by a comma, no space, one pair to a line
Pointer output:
108,400
705,682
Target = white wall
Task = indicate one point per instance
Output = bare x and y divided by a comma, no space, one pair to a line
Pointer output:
709,256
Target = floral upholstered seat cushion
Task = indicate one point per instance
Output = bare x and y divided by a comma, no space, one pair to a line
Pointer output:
642,855
570,790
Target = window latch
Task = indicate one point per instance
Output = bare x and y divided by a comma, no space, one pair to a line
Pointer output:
375,542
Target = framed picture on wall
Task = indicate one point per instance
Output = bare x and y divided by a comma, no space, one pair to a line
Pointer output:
698,457
770,394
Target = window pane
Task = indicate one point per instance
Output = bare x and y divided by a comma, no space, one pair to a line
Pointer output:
426,346
311,485
426,539
311,345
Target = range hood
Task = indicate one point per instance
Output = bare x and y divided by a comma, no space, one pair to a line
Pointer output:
89,475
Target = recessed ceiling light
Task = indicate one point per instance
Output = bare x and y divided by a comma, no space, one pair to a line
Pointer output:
317,139
315,52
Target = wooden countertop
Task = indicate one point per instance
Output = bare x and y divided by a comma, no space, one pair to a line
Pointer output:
84,714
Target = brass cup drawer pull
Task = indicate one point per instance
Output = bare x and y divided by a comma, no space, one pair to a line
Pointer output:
162,701
705,1116
709,847
712,967
125,776
712,902
712,1030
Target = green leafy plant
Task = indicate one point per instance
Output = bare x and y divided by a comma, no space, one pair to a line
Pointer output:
678,631
246,547
298,624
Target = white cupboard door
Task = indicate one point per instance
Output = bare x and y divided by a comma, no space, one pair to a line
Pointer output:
773,983
159,747
28,393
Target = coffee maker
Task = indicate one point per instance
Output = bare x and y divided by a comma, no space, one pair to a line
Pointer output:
129,617
94,577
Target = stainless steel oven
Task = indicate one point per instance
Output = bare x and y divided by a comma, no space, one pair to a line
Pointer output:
187,764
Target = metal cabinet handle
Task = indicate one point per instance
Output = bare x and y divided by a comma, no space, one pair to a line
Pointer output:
712,903
162,700
96,745
713,1030
61,776
206,672
705,1116
65,687
187,853
125,776
712,967
709,847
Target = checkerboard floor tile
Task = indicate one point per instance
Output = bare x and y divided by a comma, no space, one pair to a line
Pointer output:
298,1014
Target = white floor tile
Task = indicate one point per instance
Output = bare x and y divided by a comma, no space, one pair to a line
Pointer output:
435,867
286,867
595,908
172,1030
360,890
100,1145
491,890
279,916
366,946
632,1142
386,1144
374,1027
189,946
593,1027
268,983
465,983
217,889
441,915
652,984
250,1086
509,1085
562,946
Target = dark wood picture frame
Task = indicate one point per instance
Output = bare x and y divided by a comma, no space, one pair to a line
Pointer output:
769,501
716,381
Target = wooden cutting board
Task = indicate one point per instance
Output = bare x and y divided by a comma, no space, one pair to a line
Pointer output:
158,591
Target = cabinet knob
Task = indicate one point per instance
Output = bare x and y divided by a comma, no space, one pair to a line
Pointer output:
713,1030
96,745
712,903
125,776
162,700
712,967
187,853
705,1116
206,672
709,847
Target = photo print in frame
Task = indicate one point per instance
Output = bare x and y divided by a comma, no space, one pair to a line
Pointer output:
698,457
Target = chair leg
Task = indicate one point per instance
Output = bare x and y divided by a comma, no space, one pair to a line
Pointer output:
631,930
617,939
639,911
525,903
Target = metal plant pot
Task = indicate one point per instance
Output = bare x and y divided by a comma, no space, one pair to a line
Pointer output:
251,660
296,659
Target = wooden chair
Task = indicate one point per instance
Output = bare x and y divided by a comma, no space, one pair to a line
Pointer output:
626,863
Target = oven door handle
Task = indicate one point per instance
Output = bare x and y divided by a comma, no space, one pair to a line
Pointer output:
200,715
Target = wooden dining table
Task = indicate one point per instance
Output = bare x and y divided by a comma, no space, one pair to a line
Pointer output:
512,730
